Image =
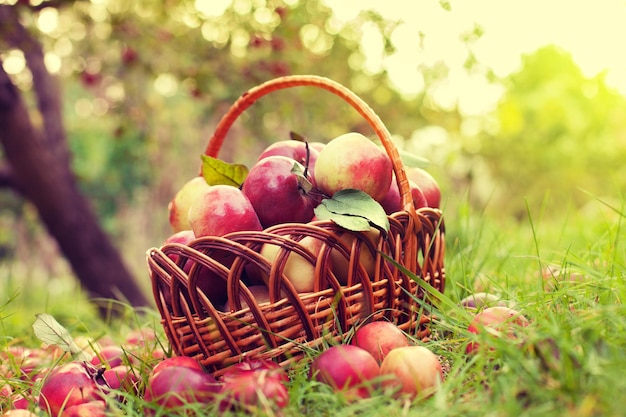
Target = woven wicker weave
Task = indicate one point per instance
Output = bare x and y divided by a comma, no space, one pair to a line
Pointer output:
291,323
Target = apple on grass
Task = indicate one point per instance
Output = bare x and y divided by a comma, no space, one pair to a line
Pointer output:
178,207
496,321
277,194
411,371
221,209
348,369
379,338
353,161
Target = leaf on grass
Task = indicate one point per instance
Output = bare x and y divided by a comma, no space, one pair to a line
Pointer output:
218,172
50,332
354,210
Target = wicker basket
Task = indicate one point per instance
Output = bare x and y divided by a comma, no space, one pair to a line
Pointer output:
291,323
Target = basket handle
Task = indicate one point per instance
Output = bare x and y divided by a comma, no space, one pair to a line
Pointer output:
252,95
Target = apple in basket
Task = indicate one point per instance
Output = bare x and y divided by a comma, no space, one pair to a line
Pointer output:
340,264
277,193
302,152
221,209
352,161
297,269
179,206
427,183
392,202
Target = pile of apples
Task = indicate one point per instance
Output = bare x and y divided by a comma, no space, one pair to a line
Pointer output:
288,184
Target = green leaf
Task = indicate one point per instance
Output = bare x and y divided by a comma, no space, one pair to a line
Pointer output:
301,172
354,210
216,172
50,332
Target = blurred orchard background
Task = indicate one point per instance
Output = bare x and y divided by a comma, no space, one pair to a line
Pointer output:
518,106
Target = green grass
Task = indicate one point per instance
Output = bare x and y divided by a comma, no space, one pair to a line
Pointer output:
570,363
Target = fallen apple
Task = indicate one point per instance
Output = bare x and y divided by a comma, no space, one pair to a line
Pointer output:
379,338
352,161
348,369
411,371
496,321
254,387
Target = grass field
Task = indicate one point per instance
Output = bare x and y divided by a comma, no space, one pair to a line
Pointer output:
564,273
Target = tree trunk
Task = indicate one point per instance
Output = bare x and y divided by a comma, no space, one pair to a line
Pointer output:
39,169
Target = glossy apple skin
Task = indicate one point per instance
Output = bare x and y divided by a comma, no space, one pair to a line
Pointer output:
427,183
496,321
222,209
67,385
411,371
295,150
348,369
353,161
379,338
183,361
178,207
276,194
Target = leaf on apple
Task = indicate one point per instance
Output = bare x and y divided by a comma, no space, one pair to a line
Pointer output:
50,332
354,210
218,172
301,172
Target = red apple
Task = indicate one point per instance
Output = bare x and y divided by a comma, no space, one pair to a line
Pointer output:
109,357
122,377
353,161
183,361
392,202
275,370
496,321
411,371
67,385
427,183
276,193
179,206
295,150
175,386
379,338
221,209
255,391
349,369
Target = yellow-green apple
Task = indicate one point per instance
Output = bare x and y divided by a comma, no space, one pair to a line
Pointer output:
480,300
411,371
379,338
302,152
221,209
427,183
18,412
496,321
353,161
367,257
277,193
297,269
179,206
348,369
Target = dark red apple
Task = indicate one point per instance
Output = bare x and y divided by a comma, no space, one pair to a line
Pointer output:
411,371
349,369
122,377
379,338
427,183
221,209
276,193
392,202
175,386
496,321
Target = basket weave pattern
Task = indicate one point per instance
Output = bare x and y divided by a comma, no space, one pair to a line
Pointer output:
291,323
